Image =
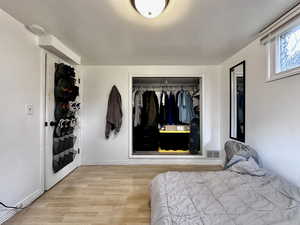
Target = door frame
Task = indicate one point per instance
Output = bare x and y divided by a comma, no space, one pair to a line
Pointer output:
202,118
43,119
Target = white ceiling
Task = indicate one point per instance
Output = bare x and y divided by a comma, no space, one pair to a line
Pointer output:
190,32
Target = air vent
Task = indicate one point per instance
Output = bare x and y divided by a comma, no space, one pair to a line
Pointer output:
213,154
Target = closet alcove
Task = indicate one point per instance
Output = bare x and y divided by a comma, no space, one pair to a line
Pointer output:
166,114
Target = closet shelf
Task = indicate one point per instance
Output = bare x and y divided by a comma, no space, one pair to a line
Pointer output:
174,131
172,151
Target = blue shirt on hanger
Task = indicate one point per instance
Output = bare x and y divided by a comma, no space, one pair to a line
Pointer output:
185,107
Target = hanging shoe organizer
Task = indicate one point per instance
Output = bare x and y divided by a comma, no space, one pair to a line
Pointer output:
66,110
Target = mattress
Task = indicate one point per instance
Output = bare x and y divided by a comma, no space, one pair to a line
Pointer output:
223,198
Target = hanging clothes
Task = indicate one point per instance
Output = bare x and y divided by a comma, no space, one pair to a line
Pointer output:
150,109
147,135
138,107
185,107
189,105
194,140
171,110
196,103
164,101
114,112
177,109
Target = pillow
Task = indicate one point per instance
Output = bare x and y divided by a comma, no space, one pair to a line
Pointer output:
249,167
235,159
255,156
236,148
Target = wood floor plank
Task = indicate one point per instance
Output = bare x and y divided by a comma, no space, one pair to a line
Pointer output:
99,195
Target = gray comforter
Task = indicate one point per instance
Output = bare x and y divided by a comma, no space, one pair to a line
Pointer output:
223,198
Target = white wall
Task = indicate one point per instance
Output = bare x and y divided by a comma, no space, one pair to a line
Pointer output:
20,80
98,81
272,112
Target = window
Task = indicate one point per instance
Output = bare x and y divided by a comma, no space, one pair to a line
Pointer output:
284,51
289,50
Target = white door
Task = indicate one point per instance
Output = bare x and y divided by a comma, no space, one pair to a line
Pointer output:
52,178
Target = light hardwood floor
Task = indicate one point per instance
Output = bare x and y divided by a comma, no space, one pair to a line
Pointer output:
98,195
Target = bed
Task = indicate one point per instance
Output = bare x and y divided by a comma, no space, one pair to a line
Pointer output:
243,194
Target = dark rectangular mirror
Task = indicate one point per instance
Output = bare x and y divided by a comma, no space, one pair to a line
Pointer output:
237,101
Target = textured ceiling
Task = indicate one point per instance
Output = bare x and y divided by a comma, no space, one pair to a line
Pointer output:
189,32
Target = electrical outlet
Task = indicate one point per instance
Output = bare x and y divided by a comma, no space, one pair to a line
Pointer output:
29,109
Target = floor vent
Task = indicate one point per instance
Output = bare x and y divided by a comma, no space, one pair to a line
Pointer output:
213,154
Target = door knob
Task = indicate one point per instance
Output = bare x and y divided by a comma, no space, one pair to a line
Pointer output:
52,123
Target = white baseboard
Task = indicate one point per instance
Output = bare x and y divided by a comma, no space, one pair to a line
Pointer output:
204,162
5,215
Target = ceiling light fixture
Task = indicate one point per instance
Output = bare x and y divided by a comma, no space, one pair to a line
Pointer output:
150,8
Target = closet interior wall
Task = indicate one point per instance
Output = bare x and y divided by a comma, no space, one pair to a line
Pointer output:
166,116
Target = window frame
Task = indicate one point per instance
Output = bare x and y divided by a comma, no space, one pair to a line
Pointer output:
273,55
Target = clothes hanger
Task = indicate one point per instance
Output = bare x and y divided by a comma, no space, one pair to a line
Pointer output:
181,88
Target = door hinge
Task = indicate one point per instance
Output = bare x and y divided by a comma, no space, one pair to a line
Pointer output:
46,124
78,80
78,151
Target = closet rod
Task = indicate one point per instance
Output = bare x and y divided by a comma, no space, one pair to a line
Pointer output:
165,85
164,88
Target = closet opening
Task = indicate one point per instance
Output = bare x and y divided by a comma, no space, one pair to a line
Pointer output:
166,118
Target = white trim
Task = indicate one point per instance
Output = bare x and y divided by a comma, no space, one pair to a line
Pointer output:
55,46
273,53
202,120
203,162
25,202
270,63
130,77
43,118
272,30
233,88
80,141
282,75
